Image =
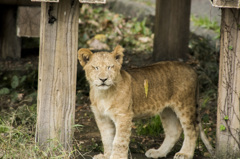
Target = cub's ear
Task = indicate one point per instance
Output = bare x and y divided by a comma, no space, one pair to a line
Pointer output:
84,56
118,53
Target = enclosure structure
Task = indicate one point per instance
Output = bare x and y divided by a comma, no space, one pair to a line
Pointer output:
228,114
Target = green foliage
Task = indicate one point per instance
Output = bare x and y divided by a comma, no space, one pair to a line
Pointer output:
222,128
140,27
4,91
207,57
205,118
206,23
15,84
226,118
130,33
152,126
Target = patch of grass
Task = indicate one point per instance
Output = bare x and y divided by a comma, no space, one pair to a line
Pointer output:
152,126
17,131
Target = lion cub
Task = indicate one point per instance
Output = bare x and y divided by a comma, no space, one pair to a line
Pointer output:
118,96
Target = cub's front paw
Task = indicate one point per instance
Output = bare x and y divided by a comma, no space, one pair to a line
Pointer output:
99,156
182,156
153,153
119,156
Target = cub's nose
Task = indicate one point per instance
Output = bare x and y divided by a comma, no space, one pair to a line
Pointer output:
103,80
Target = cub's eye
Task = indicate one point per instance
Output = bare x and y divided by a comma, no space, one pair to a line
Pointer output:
94,67
109,67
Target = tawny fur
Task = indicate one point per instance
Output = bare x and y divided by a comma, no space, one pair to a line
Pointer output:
118,96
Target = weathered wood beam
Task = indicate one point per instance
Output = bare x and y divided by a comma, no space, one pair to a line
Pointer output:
228,117
28,21
172,22
20,2
57,72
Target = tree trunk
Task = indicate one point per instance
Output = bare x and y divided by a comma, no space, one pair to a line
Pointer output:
10,44
57,72
228,119
171,30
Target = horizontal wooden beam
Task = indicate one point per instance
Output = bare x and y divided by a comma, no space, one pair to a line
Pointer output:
20,2
226,4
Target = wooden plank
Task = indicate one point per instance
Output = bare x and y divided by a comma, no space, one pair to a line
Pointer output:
57,72
171,30
93,1
19,2
28,21
226,3
10,44
228,117
45,1
81,1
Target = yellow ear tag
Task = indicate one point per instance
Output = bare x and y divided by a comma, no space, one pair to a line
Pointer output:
146,87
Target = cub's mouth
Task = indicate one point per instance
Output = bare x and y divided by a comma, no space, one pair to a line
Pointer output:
103,86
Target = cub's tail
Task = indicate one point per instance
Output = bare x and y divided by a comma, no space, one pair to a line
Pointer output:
202,133
205,139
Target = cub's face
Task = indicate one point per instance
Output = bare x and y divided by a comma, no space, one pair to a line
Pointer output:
102,69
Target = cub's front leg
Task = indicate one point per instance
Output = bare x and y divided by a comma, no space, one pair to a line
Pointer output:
107,131
123,124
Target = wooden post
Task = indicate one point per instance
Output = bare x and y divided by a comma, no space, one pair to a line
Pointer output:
10,44
171,29
57,72
228,120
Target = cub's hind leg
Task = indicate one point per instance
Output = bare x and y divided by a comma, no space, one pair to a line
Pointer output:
188,121
172,130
